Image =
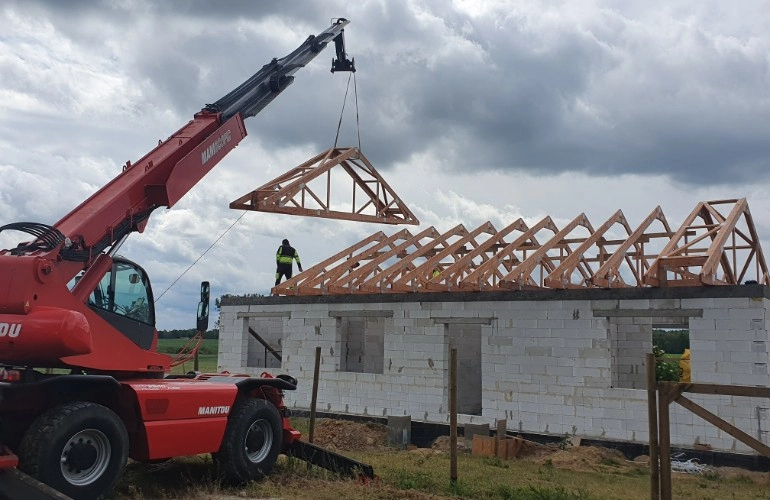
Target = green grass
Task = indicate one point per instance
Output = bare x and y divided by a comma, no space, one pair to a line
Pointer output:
420,476
424,475
207,354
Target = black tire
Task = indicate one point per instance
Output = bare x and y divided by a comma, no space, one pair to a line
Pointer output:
252,442
77,448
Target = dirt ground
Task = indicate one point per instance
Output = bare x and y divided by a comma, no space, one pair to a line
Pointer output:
342,435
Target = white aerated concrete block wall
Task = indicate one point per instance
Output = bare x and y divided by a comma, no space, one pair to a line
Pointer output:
548,366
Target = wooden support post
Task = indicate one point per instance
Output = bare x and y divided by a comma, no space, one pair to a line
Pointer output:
652,416
664,435
500,449
314,399
453,415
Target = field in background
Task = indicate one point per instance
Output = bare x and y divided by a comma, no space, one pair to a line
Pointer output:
207,354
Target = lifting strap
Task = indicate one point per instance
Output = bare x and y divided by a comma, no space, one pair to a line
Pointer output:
344,101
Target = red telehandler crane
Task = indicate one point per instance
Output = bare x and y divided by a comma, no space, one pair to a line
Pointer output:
69,302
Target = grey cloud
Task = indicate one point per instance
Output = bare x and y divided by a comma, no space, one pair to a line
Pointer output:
605,95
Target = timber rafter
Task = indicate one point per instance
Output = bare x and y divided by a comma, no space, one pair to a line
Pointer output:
717,244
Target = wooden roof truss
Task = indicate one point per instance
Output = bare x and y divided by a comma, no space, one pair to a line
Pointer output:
630,255
313,190
713,246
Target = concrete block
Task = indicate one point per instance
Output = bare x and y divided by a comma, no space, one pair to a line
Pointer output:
500,341
550,323
597,363
568,314
700,303
470,430
733,343
559,370
605,304
701,324
757,314
634,304
578,342
665,303
538,351
747,357
587,353
565,352
707,356
732,303
758,379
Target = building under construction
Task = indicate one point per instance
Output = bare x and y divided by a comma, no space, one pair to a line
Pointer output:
552,324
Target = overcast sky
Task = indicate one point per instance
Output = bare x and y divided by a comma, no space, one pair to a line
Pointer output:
471,110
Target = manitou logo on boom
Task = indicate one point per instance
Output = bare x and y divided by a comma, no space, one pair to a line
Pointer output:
217,145
10,329
213,410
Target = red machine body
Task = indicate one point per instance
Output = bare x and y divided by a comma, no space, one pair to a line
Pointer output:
174,410
53,325
71,305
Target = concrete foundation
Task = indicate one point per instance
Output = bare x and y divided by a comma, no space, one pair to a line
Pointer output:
551,362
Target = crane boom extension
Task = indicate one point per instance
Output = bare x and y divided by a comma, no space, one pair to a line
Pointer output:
259,90
166,173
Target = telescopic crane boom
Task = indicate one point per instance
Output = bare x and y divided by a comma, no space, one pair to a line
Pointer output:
45,323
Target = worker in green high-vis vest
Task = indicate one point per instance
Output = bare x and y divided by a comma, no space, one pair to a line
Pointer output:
283,258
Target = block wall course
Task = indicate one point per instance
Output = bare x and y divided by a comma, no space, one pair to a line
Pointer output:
544,367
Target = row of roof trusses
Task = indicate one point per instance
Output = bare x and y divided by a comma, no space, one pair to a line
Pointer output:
711,247
320,187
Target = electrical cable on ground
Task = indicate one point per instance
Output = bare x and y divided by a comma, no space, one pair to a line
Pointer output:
691,466
200,257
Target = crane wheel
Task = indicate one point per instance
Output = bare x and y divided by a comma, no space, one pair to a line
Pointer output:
78,448
252,441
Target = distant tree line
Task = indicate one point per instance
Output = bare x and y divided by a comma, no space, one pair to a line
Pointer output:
671,341
210,334
186,334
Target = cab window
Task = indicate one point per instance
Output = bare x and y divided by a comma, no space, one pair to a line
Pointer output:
130,295
124,291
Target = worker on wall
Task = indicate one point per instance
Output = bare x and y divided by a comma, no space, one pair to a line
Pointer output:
283,258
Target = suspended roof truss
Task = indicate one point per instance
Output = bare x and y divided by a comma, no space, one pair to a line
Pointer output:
717,244
321,187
